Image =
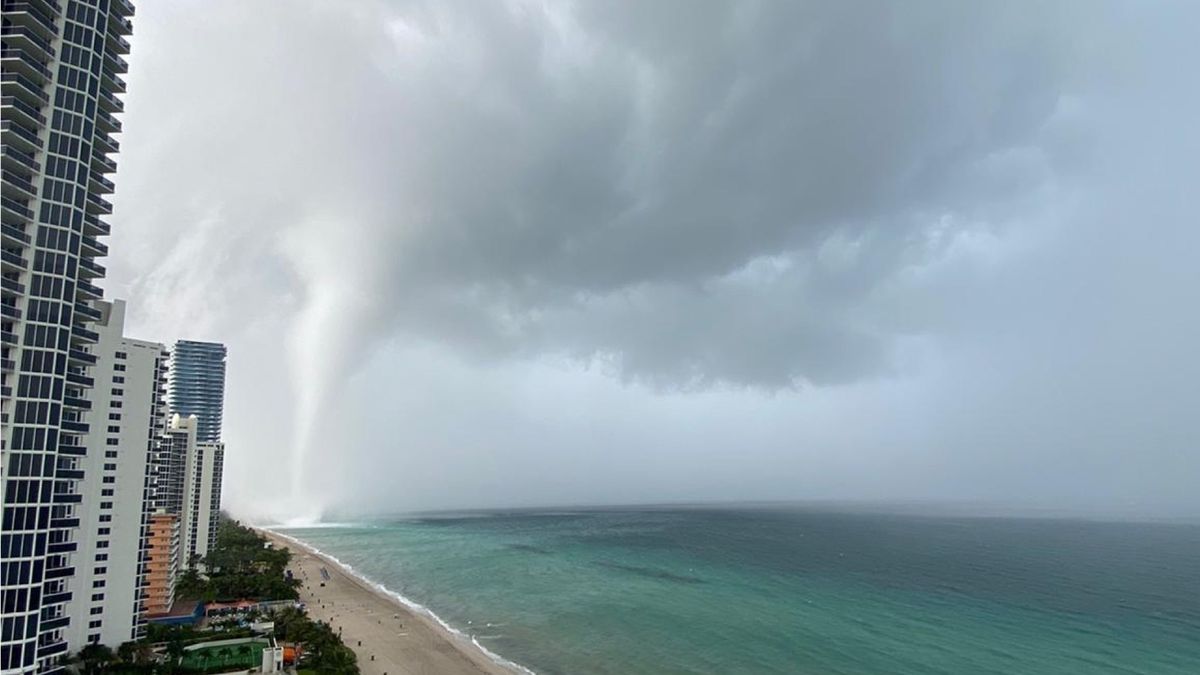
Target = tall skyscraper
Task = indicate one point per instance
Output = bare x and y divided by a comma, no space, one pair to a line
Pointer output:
167,488
60,72
128,418
198,385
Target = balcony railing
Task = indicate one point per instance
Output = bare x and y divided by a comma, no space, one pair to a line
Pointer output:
15,10
21,32
105,184
116,63
12,285
21,157
86,310
26,60
105,164
76,402
119,24
95,245
18,129
107,122
26,86
89,289
19,208
85,334
95,226
92,267
73,450
110,102
18,181
34,113
100,204
13,232
13,258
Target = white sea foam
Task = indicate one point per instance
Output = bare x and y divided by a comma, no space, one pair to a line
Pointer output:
409,603
305,524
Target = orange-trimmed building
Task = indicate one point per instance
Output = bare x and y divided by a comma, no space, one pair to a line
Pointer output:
162,564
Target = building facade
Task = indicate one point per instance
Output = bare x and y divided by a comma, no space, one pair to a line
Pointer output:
128,416
198,385
60,74
162,564
203,500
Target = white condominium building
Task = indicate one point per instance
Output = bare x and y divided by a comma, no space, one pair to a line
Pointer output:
128,415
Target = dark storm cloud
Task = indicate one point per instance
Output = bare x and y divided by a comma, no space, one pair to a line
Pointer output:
854,249
617,164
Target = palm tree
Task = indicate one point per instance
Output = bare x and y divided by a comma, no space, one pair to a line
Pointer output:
224,653
243,651
95,657
175,650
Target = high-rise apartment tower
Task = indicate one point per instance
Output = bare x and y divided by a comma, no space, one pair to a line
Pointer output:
60,74
198,385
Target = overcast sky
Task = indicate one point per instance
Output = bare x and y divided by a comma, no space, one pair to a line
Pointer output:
485,254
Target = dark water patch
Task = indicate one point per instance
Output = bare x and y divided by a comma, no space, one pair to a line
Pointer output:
650,572
528,548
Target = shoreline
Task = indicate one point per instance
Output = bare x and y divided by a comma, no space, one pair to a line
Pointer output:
403,636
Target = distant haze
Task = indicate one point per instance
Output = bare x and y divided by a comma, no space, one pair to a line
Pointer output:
478,254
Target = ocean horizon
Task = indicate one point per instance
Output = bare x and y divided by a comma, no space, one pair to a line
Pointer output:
787,589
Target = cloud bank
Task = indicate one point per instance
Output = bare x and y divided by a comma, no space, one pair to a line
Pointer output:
525,253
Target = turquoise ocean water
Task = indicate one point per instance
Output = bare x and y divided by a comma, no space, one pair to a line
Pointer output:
788,590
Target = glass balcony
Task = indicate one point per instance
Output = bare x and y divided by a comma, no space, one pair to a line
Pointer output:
31,15
93,246
28,39
19,208
97,205
28,138
9,154
32,114
18,183
25,62
19,85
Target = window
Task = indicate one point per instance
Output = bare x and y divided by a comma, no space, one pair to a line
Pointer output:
106,505
110,467
117,391
99,583
96,610
121,355
114,429
112,441
103,531
97,597
106,518
118,379
101,557
120,367
106,492
100,570
116,417
110,454
102,544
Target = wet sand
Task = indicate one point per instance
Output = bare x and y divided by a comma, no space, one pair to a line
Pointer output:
401,641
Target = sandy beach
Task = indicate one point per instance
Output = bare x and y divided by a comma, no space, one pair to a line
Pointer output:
377,626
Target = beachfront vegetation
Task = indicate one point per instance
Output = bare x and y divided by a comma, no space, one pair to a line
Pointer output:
324,651
240,566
